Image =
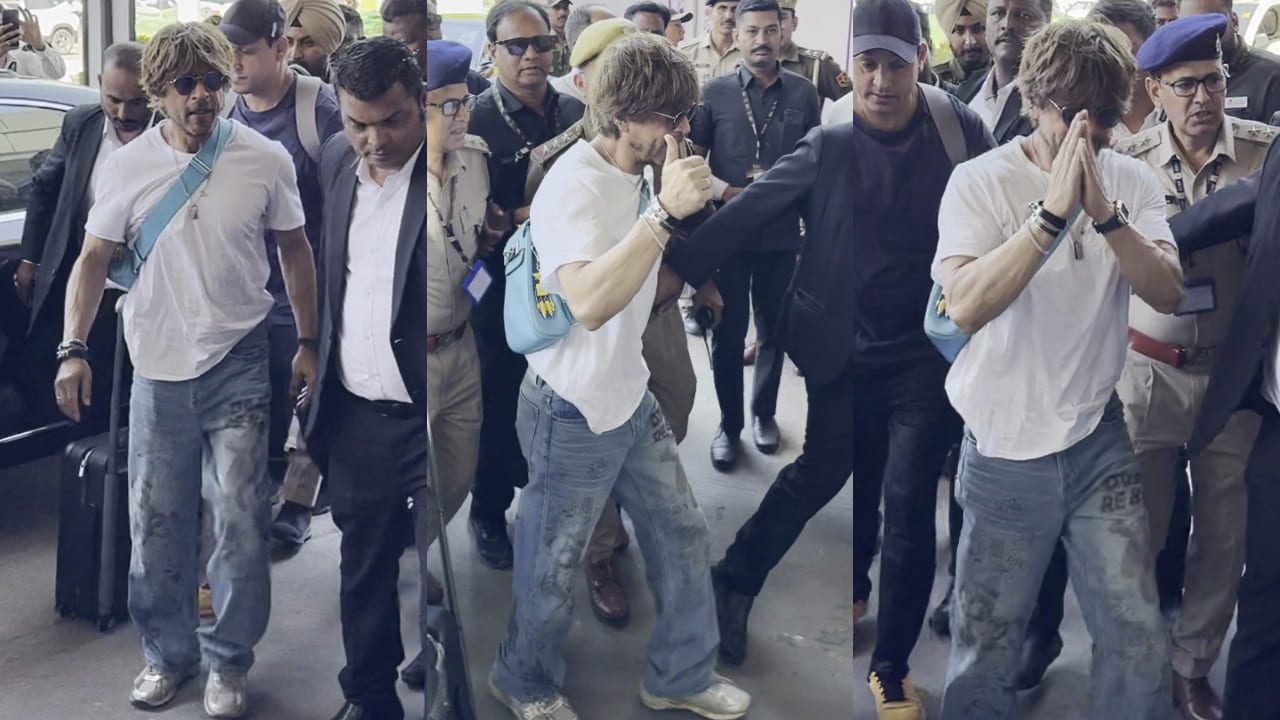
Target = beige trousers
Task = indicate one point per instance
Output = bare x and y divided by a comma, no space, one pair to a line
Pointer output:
1161,404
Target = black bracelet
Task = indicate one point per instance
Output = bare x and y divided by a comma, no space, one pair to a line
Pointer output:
1053,220
309,343
74,343
72,352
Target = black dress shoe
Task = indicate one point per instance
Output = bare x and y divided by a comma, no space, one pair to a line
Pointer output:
940,621
415,674
732,610
1037,655
765,433
292,525
492,542
724,451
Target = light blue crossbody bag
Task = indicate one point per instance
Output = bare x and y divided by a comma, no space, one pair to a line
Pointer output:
535,318
127,261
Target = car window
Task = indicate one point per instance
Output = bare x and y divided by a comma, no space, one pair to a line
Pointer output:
26,136
467,32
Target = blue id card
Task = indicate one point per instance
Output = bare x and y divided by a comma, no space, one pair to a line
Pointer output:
1198,296
477,282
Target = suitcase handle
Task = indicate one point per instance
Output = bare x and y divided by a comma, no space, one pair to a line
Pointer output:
110,493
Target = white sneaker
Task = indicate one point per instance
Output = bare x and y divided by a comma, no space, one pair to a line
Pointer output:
155,688
554,708
225,695
722,701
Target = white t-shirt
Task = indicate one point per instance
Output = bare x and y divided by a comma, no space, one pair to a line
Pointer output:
583,208
203,287
1035,380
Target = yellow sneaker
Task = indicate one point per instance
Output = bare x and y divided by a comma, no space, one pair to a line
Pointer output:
895,701
204,602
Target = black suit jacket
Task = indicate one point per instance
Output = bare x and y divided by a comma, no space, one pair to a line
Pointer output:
1229,213
59,203
1012,124
408,332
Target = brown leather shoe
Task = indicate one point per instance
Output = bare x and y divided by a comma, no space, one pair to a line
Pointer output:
1196,698
435,591
608,597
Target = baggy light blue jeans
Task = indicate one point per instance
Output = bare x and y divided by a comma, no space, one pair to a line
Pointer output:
201,438
572,472
1014,513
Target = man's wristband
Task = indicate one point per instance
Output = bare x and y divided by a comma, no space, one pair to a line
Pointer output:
1053,221
72,352
309,343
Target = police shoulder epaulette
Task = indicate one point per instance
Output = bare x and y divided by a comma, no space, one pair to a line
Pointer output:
691,43
1140,143
1251,131
477,143
815,54
557,144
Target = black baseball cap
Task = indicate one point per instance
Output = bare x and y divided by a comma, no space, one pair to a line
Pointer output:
886,25
248,21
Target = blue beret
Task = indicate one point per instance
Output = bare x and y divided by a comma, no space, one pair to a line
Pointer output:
447,63
1198,37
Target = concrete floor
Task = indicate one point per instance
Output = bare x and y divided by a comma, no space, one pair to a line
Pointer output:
805,663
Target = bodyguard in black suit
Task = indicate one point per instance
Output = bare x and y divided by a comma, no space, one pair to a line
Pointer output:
851,321
61,193
1245,377
367,424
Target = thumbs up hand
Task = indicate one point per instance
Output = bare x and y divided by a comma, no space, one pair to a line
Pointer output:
686,183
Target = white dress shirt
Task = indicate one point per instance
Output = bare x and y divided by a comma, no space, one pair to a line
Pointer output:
989,103
366,364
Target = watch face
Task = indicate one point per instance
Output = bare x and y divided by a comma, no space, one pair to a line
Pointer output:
1122,212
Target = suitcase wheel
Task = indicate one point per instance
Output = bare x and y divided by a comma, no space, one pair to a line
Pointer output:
106,624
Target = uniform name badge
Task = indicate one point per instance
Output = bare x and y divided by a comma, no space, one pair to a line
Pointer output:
1198,296
1240,102
477,282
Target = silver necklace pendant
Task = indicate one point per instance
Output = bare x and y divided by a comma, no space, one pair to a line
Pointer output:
195,211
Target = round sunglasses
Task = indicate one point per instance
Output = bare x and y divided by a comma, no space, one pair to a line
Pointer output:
213,81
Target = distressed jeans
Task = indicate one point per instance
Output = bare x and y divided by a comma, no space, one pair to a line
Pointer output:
1090,495
207,438
572,472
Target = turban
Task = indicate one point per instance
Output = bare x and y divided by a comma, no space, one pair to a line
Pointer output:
320,19
948,11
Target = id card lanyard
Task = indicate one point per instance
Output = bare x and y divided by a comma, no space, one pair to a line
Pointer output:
1175,166
477,281
553,120
1199,294
757,169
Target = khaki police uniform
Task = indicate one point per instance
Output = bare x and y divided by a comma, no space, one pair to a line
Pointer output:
707,61
820,69
1161,402
665,351
453,368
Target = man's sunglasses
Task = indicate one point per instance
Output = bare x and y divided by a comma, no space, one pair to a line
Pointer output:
1104,118
450,107
517,46
213,82
678,117
1214,83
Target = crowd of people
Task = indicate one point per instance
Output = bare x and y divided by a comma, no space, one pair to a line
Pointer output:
1077,202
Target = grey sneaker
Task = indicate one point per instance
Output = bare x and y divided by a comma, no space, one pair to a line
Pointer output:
155,688
553,708
722,701
225,695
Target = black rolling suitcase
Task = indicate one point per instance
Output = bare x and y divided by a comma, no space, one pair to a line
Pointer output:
93,519
457,703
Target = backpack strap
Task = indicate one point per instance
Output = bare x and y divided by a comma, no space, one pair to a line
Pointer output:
947,121
307,95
